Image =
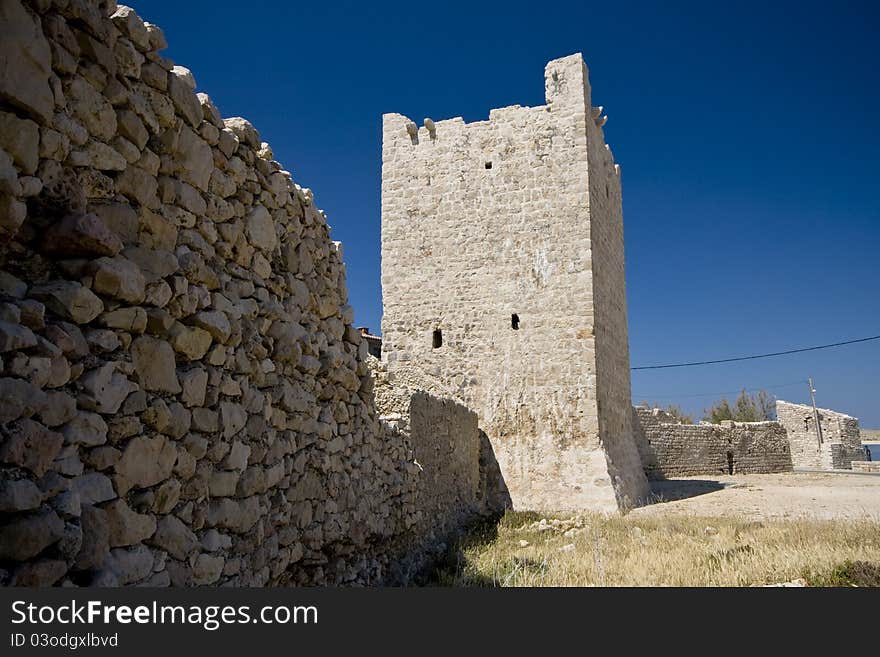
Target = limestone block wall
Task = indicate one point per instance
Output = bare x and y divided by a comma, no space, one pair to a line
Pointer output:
670,449
453,477
185,400
502,275
841,439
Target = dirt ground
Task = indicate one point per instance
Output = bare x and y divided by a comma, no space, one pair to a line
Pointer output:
823,496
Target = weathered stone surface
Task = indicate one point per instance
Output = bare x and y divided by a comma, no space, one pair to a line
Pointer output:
81,235
25,62
236,515
223,483
26,536
14,337
233,418
138,185
21,495
244,130
261,229
20,399
175,537
93,488
88,429
167,496
196,157
133,319
145,462
69,300
92,109
127,527
129,566
12,214
132,128
44,572
99,156
28,444
185,100
157,37
60,407
154,365
102,341
95,544
157,232
195,385
104,389
206,420
191,343
207,569
12,286
120,219
132,26
153,263
118,277
21,139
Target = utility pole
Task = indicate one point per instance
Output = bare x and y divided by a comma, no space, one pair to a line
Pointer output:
815,411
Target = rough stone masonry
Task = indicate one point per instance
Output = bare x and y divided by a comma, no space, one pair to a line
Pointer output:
184,398
503,278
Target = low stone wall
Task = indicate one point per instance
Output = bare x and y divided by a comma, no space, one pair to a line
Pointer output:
865,466
185,400
671,449
840,444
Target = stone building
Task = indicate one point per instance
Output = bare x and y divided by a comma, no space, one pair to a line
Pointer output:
503,281
836,443
374,342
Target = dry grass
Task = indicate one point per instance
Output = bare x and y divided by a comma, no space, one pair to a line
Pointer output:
870,435
594,550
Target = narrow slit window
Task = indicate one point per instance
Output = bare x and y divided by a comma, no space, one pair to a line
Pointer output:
488,165
438,338
514,322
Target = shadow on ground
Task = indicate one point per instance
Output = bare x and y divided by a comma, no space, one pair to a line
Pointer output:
451,568
671,490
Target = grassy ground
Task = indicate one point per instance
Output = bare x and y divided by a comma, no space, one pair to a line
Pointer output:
528,549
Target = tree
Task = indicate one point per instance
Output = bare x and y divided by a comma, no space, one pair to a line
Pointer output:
718,412
747,408
674,410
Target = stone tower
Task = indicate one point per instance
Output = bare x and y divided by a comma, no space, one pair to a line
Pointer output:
503,281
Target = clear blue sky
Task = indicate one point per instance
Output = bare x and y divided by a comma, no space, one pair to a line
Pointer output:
748,136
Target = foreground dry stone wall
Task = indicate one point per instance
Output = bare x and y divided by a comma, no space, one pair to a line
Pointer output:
185,400
669,448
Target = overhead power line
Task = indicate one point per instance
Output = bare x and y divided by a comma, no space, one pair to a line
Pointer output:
717,394
739,358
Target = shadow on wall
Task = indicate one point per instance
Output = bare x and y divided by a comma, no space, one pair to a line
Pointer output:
457,483
496,497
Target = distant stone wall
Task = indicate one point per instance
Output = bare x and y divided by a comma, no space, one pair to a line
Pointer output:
671,449
840,445
185,400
